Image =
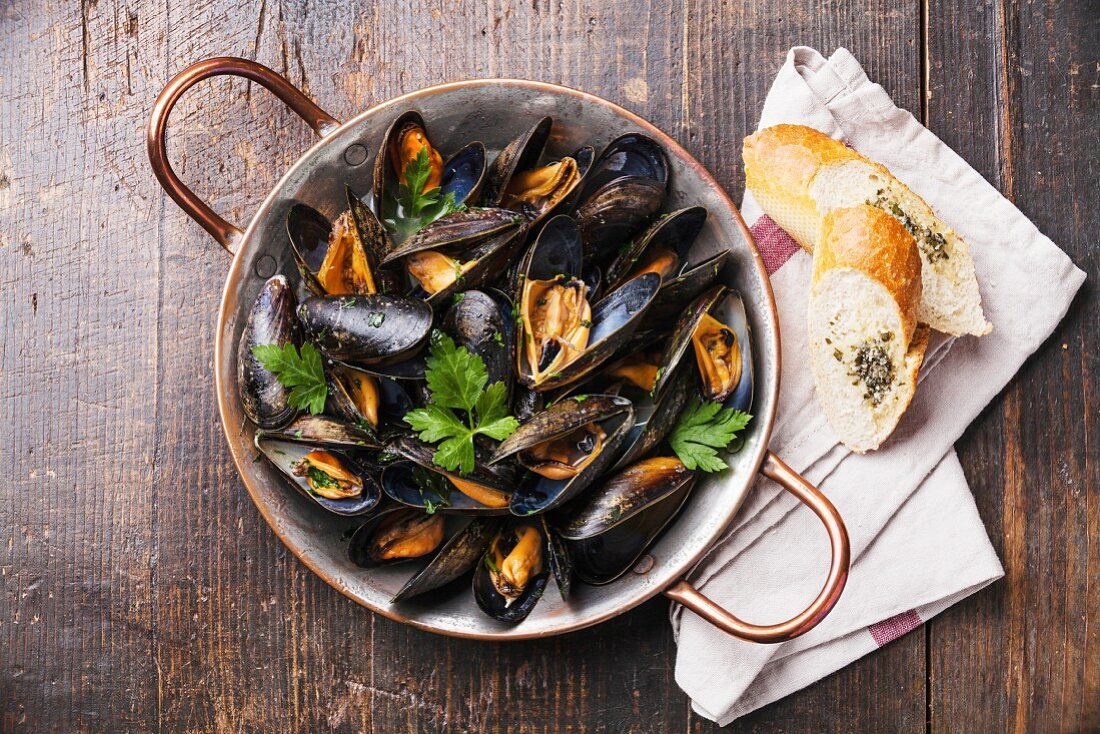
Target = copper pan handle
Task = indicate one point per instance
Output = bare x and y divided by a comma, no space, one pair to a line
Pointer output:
222,231
684,593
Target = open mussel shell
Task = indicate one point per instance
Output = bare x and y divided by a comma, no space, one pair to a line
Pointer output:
614,416
557,252
376,243
324,431
456,558
516,553
732,312
420,482
362,241
308,231
520,154
663,247
396,535
542,189
614,318
727,308
408,483
584,157
285,454
365,399
468,248
464,174
633,155
483,324
370,329
609,531
654,419
613,214
270,321
385,179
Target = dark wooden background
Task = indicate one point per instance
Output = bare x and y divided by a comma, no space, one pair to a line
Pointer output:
140,589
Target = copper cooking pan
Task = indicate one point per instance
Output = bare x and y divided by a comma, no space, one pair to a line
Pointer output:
491,110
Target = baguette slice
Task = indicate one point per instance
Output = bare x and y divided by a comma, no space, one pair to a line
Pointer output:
799,174
865,343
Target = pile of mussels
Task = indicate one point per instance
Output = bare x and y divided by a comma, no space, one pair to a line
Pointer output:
573,285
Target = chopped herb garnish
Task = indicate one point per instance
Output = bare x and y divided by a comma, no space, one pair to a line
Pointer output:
320,478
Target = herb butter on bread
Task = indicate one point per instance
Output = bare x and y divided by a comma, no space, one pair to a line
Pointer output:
866,346
798,175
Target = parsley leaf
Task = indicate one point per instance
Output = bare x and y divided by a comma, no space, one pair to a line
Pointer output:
413,207
456,379
702,430
455,376
302,372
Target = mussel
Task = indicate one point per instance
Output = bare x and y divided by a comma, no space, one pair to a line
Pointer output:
665,248
271,321
396,535
482,323
513,572
520,154
329,477
538,191
365,399
463,249
561,337
370,329
460,176
633,155
419,482
566,447
612,527
354,395
624,188
456,558
342,258
715,329
322,431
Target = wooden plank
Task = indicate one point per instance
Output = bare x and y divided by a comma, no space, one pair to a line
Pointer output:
1013,89
78,367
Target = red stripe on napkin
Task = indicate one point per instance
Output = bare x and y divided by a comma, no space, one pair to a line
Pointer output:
775,245
891,629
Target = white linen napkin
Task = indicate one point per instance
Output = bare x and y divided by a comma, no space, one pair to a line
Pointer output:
918,544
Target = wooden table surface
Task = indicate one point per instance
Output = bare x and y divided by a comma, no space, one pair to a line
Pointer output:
140,589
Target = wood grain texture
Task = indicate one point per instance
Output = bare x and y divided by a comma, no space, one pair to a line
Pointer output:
1014,88
140,589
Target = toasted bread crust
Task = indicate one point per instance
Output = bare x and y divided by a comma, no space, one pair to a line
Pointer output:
780,165
868,239
791,156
